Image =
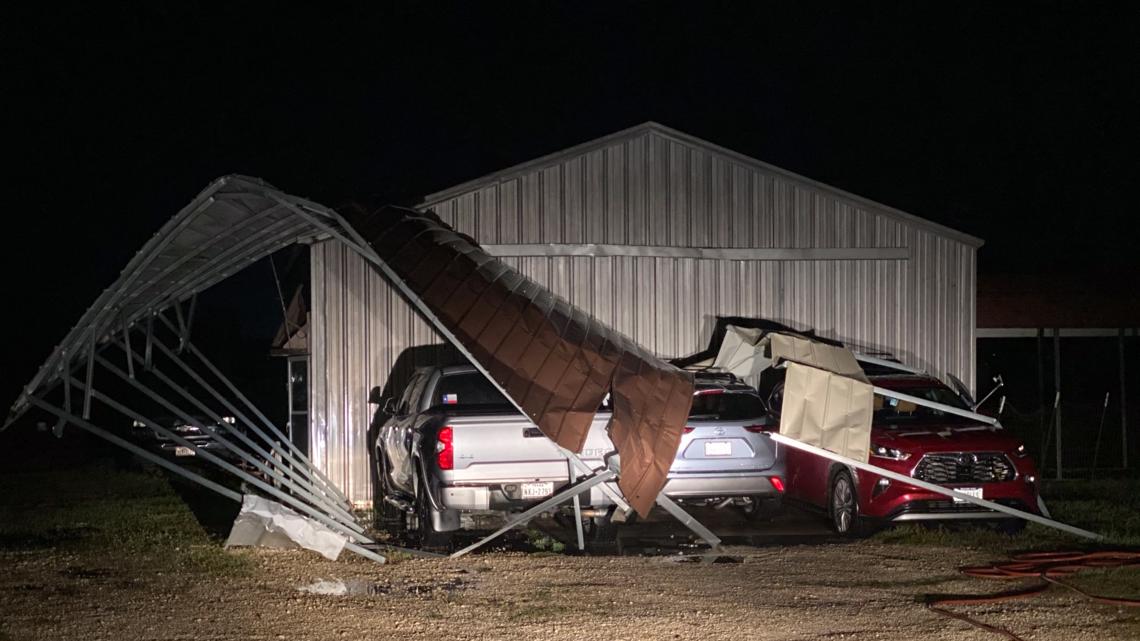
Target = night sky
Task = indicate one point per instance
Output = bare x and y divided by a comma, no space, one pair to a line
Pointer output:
1016,124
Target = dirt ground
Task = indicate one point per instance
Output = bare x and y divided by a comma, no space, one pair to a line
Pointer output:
795,592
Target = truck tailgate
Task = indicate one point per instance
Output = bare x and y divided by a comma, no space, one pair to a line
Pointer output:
503,448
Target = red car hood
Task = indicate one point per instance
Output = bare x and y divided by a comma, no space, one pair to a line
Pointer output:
943,438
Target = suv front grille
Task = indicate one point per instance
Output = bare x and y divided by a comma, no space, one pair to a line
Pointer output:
965,467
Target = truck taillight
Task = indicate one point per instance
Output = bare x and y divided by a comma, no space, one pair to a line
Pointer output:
445,450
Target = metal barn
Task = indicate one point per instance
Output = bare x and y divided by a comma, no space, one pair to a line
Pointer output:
656,233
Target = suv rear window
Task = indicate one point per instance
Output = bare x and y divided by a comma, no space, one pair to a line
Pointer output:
718,405
469,391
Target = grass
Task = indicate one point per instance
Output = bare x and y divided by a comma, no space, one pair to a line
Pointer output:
1111,508
123,518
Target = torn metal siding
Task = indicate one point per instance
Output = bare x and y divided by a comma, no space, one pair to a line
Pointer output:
655,188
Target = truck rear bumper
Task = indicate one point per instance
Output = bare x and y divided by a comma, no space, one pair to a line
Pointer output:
497,496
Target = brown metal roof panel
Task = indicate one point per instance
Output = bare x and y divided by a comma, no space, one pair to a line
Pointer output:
552,359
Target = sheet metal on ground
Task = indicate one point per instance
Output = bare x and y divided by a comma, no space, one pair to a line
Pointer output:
553,360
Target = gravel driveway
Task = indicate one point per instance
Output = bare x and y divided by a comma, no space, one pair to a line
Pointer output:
865,590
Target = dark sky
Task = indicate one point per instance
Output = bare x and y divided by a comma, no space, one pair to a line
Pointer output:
1016,124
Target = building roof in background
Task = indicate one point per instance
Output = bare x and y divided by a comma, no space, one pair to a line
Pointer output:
711,148
1069,299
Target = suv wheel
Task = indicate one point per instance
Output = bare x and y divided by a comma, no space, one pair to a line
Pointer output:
843,506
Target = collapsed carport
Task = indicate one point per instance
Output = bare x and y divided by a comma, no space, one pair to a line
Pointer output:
139,331
553,361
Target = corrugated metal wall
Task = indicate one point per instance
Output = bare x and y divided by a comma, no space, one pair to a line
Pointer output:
650,188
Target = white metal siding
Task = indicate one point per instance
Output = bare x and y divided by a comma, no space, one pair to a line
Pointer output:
652,189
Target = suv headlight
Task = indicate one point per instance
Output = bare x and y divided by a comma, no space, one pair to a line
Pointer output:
894,454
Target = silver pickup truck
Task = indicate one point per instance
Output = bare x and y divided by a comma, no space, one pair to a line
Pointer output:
452,450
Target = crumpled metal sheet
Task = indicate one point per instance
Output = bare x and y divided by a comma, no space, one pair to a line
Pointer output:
839,360
266,523
827,410
552,359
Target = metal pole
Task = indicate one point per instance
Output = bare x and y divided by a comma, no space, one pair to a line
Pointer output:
350,525
577,507
930,487
1099,432
127,342
572,491
688,521
1041,381
1123,403
1057,386
90,375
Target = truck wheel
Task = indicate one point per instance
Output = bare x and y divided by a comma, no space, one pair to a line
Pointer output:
418,524
843,506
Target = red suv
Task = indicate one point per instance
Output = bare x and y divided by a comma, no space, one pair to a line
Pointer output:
925,444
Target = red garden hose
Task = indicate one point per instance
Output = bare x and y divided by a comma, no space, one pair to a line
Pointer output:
1047,566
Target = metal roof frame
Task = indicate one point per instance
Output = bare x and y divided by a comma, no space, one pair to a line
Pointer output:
234,222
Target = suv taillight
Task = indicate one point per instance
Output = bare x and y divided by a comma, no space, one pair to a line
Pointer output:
689,429
445,451
762,428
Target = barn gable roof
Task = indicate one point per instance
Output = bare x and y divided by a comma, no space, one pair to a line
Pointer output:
674,135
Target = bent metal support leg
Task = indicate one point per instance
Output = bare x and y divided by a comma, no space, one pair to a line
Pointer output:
293,454
306,476
327,519
176,469
296,485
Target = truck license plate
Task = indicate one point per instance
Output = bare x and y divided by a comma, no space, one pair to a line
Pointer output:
537,490
975,492
718,448
183,451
